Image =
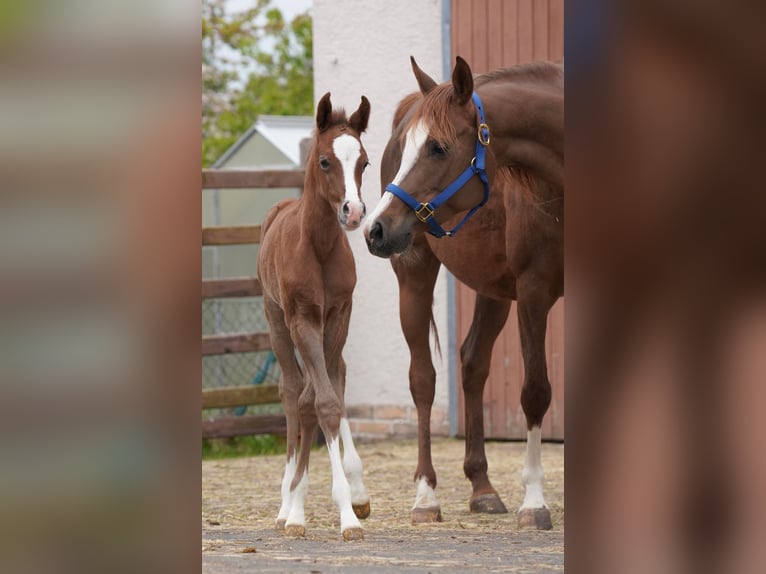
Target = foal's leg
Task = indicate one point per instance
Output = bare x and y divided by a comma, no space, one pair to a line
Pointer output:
290,387
336,331
489,317
534,302
296,519
416,291
307,334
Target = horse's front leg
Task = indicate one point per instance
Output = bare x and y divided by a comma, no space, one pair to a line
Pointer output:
534,303
336,331
416,286
308,336
489,317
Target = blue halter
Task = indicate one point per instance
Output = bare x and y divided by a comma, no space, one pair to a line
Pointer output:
425,211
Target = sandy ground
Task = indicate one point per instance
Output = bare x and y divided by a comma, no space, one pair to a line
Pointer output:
240,500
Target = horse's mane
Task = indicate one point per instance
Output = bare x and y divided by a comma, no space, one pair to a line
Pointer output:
531,71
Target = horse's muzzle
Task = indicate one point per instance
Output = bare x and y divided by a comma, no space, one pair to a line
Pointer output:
382,243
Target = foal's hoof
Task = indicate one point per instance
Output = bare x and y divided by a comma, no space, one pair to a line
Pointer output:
361,510
353,534
534,519
488,504
295,530
426,515
280,524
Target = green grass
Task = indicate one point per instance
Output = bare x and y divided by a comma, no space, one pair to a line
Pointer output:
216,448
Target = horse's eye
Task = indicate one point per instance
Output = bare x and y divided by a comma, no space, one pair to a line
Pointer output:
365,165
436,150
324,163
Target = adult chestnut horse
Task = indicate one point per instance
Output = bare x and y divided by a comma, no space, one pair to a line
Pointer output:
306,269
504,132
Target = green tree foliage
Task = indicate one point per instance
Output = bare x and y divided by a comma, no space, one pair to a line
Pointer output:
253,63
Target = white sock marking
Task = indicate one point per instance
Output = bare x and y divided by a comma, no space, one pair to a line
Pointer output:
352,465
532,474
341,492
296,515
287,479
426,496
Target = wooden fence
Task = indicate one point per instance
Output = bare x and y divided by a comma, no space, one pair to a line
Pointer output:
240,287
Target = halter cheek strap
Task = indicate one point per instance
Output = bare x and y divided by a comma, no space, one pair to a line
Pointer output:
425,211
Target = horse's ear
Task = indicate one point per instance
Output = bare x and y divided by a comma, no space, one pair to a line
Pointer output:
462,81
359,118
324,112
425,82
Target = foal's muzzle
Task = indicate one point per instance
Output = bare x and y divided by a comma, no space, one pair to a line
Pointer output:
351,214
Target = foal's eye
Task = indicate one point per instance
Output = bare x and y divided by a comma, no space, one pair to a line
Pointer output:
365,165
324,163
436,150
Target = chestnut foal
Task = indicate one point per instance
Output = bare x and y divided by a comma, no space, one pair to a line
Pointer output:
306,269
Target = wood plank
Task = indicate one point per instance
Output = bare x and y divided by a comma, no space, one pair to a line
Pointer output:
461,31
231,235
234,287
236,396
540,23
245,425
556,29
510,55
263,178
525,31
494,34
241,343
479,59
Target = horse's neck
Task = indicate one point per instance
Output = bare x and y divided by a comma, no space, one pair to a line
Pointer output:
527,128
319,221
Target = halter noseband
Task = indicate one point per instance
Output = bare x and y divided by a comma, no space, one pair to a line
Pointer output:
425,211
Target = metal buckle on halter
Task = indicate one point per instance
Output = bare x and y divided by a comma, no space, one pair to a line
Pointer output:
429,212
484,129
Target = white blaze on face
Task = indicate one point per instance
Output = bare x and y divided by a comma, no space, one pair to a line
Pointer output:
348,149
413,142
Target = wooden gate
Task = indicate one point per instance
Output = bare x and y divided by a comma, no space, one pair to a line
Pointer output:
228,426
491,34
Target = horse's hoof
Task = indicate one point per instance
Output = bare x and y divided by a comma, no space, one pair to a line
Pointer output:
295,530
280,524
488,504
426,515
353,534
534,519
361,510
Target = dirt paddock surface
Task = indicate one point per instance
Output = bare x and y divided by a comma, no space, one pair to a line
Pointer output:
240,500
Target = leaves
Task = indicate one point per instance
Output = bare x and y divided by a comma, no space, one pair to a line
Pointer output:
253,63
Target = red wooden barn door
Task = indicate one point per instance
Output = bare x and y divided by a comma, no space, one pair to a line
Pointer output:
491,34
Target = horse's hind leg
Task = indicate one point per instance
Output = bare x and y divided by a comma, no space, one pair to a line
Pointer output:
489,317
336,330
416,290
534,303
290,386
307,335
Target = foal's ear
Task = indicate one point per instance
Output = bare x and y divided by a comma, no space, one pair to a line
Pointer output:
324,112
359,118
462,81
425,82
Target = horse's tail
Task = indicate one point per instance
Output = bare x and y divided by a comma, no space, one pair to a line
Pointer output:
435,331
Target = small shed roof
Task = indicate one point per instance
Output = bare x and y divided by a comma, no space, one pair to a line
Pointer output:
283,132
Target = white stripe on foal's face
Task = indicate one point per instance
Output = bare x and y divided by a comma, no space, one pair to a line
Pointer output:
348,149
413,143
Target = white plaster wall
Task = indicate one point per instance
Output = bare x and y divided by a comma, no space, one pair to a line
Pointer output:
364,47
